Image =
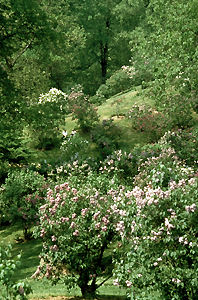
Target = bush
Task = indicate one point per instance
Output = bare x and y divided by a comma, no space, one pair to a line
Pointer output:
73,146
118,82
46,116
83,110
106,137
78,225
8,266
20,198
145,119
185,144
159,246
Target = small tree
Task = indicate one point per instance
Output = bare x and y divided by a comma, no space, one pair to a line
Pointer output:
77,227
47,115
20,198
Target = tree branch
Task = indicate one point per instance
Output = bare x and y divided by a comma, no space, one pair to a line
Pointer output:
11,64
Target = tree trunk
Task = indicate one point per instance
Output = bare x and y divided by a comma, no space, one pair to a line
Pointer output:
104,60
104,53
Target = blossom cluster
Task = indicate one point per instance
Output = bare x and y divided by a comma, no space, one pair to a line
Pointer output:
80,222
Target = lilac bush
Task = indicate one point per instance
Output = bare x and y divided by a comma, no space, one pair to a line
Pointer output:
159,246
77,226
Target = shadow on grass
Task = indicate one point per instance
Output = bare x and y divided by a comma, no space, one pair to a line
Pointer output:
30,251
7,231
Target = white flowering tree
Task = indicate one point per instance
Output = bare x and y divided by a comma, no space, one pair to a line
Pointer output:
49,113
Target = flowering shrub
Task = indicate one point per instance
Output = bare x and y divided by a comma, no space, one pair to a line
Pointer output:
73,146
159,247
47,115
83,111
8,265
160,170
145,118
185,144
77,227
120,164
20,198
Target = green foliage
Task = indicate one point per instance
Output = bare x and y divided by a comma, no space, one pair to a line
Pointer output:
106,137
30,77
82,109
146,119
27,25
46,116
185,143
8,266
165,47
118,82
20,198
73,147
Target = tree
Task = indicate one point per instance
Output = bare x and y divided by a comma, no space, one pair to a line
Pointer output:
107,28
165,46
23,26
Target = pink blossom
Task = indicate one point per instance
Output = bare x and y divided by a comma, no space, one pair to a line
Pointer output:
74,191
168,225
104,228
105,220
120,227
43,232
54,248
53,238
84,211
191,208
128,283
97,226
95,216
76,233
116,282
176,280
73,224
75,199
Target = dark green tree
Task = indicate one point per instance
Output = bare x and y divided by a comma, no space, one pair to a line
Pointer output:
107,27
23,26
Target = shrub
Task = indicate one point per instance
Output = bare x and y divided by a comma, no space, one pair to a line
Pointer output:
78,225
120,164
106,137
73,146
46,116
118,82
20,198
185,144
82,109
159,246
144,118
8,266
